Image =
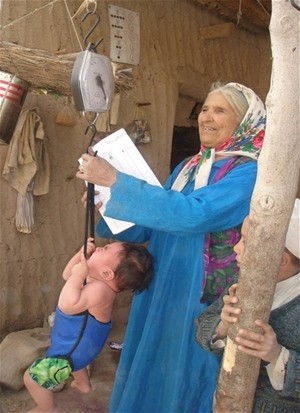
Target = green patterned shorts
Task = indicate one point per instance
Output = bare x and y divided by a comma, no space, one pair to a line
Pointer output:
50,372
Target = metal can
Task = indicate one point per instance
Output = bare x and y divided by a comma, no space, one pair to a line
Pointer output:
13,91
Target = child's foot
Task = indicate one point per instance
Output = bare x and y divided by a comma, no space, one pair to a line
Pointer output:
84,388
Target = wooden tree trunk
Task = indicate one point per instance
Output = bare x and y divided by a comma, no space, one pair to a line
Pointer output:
271,207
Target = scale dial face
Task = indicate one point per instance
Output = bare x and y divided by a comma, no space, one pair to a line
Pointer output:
93,82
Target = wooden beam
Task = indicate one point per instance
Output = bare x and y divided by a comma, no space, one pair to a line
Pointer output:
220,9
44,70
256,12
216,31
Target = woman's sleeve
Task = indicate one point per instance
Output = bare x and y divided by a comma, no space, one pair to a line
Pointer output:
215,207
136,233
206,325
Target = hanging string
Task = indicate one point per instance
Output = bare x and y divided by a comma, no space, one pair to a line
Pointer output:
73,25
85,5
29,14
239,13
43,7
264,9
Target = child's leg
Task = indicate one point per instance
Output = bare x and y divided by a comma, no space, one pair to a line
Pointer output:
43,397
81,381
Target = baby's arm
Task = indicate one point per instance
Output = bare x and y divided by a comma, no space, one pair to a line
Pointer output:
76,258
71,291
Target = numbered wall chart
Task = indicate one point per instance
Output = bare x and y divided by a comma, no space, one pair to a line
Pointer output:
124,35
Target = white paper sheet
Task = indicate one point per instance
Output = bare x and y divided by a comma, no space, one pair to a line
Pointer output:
119,150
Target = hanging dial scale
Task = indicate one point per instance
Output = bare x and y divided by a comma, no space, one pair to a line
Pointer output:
92,79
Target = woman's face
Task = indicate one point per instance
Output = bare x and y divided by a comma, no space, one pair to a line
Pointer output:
217,121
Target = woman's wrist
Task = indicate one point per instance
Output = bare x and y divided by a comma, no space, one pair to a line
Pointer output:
113,177
110,176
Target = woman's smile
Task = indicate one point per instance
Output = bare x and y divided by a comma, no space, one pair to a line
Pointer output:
217,121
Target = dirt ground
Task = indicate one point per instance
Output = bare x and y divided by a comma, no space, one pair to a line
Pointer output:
69,400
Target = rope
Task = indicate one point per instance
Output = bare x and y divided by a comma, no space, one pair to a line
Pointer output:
73,25
85,5
239,13
43,7
264,9
29,14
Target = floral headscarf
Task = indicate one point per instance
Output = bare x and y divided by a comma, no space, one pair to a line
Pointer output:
246,141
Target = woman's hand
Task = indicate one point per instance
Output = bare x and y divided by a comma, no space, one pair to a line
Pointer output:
229,314
97,171
262,345
84,201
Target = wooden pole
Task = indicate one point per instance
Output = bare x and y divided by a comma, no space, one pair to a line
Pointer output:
271,208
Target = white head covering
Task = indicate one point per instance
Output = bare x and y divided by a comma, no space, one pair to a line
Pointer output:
292,242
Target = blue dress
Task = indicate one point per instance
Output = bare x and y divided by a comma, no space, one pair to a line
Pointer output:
162,369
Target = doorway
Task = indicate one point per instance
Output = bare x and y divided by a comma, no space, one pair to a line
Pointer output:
185,143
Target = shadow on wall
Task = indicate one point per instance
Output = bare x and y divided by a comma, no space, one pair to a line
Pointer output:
185,143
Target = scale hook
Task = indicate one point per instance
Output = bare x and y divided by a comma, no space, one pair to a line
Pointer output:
91,46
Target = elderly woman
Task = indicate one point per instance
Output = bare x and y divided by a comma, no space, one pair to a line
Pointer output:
191,225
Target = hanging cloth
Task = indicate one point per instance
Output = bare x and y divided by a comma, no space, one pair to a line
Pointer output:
27,167
27,156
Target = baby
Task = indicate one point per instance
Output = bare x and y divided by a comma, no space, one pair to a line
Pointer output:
83,315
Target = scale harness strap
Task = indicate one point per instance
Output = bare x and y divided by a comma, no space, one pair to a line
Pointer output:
89,230
80,335
90,206
89,217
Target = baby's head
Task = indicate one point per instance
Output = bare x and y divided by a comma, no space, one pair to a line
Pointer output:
124,266
134,271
